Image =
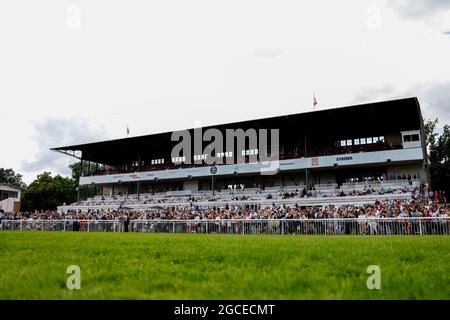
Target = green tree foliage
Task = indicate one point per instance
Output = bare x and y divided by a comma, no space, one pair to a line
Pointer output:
439,157
430,132
47,192
8,176
76,169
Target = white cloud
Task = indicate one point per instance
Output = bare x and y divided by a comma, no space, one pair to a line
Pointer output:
418,8
57,132
434,98
366,95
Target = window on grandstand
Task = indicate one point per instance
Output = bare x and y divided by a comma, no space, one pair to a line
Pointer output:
199,157
360,141
8,194
178,159
411,138
249,152
157,161
227,154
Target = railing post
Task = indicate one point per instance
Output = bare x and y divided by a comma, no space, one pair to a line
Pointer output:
420,226
173,227
21,225
42,227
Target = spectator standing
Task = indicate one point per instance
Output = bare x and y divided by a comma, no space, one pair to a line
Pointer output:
126,222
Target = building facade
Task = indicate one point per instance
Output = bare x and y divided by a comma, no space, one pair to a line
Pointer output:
10,198
377,141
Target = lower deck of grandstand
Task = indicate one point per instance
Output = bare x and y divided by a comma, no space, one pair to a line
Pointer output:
322,194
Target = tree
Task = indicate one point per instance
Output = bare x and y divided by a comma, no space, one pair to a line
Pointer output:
430,132
8,176
439,156
47,192
76,170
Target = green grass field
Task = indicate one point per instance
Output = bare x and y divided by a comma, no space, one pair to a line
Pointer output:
188,266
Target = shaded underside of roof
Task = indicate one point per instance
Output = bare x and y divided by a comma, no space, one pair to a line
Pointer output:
339,123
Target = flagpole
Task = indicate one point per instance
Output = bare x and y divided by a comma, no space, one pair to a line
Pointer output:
314,101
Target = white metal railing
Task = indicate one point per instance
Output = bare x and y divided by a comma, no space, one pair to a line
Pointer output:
399,182
345,226
325,186
182,193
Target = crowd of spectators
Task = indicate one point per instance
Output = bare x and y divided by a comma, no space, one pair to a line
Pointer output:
400,208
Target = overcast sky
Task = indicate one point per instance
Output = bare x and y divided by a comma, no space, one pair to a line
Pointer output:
80,71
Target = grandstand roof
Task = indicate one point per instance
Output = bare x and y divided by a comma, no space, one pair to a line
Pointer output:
2,185
343,122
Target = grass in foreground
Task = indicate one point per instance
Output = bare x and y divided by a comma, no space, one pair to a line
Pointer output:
188,266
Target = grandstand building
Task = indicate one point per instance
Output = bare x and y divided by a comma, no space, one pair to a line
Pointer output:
325,153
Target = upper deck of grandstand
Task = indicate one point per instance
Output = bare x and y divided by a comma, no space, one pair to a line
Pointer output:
345,130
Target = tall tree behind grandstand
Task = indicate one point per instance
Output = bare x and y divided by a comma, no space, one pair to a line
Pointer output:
8,176
76,170
439,156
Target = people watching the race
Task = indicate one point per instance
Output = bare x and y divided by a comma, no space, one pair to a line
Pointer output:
351,189
399,208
